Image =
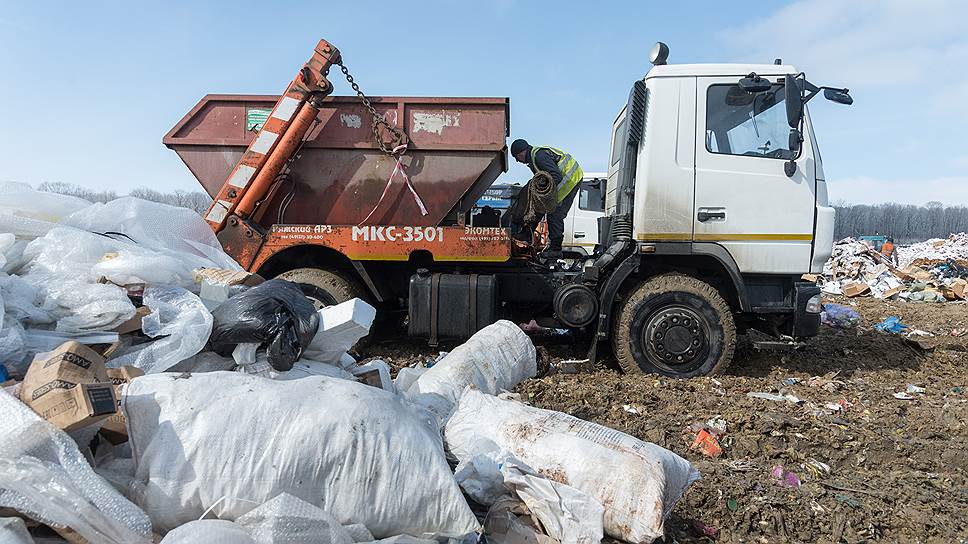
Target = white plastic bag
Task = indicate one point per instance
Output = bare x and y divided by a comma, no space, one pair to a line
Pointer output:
497,358
362,454
639,483
288,520
43,475
567,514
209,531
181,325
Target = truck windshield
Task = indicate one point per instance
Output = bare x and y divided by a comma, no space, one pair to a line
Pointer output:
740,123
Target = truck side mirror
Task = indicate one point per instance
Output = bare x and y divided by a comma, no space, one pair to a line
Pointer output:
794,104
795,139
839,96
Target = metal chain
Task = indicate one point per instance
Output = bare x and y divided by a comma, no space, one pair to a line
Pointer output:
397,136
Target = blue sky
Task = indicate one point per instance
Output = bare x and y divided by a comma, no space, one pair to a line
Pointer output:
89,88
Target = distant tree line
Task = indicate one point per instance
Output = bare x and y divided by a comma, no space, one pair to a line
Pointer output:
193,200
904,222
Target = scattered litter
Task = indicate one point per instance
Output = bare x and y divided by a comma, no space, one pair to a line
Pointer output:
848,500
707,444
913,389
704,529
839,316
628,408
786,397
732,505
959,332
785,477
904,396
891,325
790,381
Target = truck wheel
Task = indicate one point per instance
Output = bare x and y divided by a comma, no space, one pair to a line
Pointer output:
674,325
324,287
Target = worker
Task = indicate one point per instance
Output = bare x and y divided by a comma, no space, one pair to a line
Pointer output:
564,170
887,250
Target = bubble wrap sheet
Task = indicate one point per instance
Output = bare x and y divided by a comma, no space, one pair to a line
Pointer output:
43,475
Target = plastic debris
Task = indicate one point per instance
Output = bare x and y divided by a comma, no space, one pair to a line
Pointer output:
839,316
707,444
274,314
45,476
785,477
891,325
785,397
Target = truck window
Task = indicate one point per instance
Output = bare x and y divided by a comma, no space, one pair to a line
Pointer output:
618,141
590,198
740,123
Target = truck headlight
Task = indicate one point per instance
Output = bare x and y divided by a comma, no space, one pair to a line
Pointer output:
813,305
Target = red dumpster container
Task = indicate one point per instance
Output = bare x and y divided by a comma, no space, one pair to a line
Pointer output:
457,149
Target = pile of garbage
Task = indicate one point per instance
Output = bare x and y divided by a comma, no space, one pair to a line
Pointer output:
931,271
152,390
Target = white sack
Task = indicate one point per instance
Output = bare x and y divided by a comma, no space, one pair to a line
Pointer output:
45,476
639,483
362,454
407,375
497,358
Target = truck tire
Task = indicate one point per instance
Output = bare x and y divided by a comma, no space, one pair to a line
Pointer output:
324,287
684,311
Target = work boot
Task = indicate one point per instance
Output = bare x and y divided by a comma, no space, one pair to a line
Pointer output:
549,255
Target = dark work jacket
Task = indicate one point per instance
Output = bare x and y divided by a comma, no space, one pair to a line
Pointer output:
546,162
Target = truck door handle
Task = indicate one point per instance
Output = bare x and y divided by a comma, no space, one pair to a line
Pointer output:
579,234
707,215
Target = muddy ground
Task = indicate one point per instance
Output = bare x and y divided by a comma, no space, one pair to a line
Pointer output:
898,469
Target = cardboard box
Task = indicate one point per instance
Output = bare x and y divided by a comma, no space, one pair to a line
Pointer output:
133,324
809,277
856,289
114,429
221,276
69,387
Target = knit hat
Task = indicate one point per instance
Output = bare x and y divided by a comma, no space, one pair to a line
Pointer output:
519,145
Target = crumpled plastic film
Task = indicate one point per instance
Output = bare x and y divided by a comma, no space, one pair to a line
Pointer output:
14,531
169,229
181,318
28,213
44,476
60,264
209,531
12,352
286,518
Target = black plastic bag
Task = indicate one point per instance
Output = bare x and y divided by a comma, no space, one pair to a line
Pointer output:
275,314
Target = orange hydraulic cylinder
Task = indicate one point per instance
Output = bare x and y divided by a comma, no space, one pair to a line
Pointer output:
283,151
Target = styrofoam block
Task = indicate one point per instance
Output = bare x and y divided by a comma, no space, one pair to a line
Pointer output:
340,327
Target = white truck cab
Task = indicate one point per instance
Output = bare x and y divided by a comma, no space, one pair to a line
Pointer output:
581,224
716,205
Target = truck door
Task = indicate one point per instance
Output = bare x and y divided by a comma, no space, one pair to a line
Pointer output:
744,201
581,225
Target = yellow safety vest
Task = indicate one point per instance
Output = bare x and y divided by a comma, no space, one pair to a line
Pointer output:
571,173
